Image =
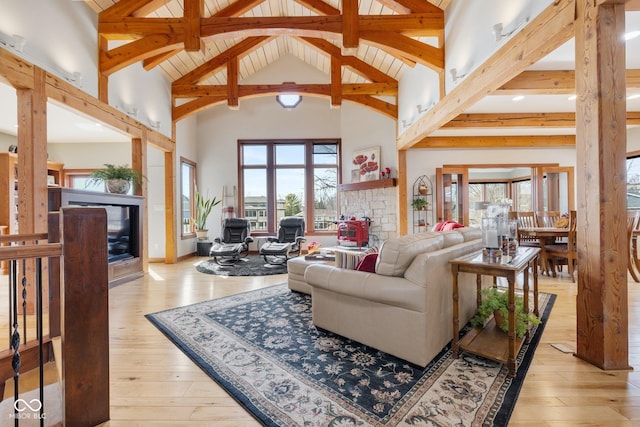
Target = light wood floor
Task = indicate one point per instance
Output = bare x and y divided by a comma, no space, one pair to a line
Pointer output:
154,383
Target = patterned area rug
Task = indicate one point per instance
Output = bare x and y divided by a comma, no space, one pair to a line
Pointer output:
252,265
262,347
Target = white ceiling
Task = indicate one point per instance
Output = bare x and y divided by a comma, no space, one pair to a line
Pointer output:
66,126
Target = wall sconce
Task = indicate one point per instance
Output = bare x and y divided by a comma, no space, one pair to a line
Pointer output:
16,42
154,124
131,111
75,78
498,30
423,108
455,76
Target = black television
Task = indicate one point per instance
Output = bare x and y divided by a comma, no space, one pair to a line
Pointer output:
123,218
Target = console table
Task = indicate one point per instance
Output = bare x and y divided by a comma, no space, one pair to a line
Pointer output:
489,341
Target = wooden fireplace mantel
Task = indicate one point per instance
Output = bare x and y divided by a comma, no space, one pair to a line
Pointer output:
368,185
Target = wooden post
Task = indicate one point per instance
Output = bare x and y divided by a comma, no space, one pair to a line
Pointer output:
602,313
85,316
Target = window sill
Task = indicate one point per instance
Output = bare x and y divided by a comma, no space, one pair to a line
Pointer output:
368,185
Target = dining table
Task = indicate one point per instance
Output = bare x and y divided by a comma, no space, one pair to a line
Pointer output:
545,236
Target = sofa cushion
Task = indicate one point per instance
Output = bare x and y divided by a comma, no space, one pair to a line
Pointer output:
451,238
470,233
396,254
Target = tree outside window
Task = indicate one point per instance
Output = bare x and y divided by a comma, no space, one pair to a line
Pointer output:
289,178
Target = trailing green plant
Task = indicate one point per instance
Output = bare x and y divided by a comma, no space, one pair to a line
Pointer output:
419,204
204,205
496,300
110,172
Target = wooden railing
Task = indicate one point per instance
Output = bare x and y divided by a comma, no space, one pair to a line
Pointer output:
43,306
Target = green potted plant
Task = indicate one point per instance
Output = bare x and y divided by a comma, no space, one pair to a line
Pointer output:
204,205
117,178
495,303
419,204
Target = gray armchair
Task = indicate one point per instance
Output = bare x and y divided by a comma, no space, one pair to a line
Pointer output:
287,244
234,242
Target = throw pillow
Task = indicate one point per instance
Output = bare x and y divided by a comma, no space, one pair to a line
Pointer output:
349,259
368,263
451,225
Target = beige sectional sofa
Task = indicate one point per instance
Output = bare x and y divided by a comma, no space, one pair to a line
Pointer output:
405,308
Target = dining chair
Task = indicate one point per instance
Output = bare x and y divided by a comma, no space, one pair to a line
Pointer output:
634,243
547,218
633,218
527,220
559,253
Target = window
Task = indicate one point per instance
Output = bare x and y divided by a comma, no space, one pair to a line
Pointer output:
484,192
633,182
187,197
289,178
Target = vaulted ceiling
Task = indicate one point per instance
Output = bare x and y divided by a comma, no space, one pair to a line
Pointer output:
363,46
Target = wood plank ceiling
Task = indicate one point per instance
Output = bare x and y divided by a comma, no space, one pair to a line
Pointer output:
363,52
367,49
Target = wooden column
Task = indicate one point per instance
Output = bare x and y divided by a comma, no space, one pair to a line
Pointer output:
139,163
402,193
85,317
602,318
170,246
32,173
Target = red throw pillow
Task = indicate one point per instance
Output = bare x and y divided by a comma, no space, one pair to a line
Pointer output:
368,263
451,225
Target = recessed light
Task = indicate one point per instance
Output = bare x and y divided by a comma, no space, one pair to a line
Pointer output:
518,98
636,96
631,35
572,97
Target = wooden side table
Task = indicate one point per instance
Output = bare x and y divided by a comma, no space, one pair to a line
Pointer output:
490,341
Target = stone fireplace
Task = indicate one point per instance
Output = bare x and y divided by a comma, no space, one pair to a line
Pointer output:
379,204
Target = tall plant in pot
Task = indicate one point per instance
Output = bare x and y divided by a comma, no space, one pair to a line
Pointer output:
204,205
117,178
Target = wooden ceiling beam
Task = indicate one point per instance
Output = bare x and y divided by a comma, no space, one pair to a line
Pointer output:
336,83
632,6
133,8
414,25
238,7
319,7
558,82
233,92
350,27
417,6
496,141
154,61
216,95
402,46
121,57
193,12
215,64
320,89
546,32
523,120
358,66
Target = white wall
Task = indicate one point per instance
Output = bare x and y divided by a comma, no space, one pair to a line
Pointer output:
220,128
61,37
469,40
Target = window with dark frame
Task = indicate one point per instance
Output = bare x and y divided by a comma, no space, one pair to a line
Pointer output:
187,197
289,178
